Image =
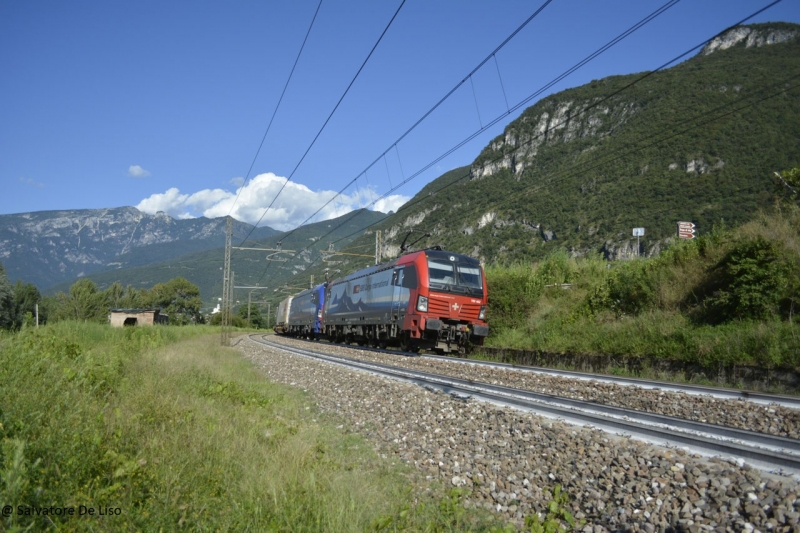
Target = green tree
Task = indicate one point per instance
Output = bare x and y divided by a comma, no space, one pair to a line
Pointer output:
26,296
83,302
179,298
7,305
749,282
256,319
118,297
114,294
789,183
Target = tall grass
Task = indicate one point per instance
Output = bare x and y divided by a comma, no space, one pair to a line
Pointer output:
179,433
726,298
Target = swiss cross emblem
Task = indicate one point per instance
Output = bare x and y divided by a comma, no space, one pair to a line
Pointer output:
455,306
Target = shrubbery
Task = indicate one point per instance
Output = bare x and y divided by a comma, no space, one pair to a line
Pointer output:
727,297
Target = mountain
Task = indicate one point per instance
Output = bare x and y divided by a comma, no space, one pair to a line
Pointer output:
204,268
581,168
48,247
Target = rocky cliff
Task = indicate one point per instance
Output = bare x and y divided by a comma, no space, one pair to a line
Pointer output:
579,169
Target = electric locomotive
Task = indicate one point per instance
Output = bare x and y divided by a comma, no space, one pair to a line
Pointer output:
431,299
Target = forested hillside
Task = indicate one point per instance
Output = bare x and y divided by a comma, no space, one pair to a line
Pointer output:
578,170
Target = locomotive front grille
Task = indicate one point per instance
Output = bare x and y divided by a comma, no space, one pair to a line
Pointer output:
440,308
444,309
469,311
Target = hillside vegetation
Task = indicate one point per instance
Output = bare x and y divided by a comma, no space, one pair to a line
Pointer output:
579,169
728,297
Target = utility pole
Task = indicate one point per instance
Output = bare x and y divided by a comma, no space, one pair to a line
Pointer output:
250,298
227,285
230,305
378,245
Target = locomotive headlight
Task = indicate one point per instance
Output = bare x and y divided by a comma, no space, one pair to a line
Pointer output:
482,314
422,304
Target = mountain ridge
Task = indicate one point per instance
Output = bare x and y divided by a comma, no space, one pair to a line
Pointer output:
48,247
556,173
580,168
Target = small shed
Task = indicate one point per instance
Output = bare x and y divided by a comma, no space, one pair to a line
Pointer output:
136,317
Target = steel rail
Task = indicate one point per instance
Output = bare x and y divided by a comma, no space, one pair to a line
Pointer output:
669,429
784,400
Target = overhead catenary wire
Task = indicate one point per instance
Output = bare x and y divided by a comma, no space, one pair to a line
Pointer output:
583,62
572,69
500,117
428,113
333,111
580,168
626,87
275,111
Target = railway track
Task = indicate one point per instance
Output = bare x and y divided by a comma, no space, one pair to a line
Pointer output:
785,400
759,449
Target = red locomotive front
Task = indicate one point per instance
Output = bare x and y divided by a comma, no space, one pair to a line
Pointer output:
447,306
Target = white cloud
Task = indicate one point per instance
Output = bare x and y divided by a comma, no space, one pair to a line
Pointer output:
294,205
32,183
171,202
135,171
390,203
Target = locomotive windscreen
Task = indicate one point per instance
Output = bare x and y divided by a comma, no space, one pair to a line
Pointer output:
470,276
451,275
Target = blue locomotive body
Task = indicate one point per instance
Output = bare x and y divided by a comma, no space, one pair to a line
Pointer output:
305,313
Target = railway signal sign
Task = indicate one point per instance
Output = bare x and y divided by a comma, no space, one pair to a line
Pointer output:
686,230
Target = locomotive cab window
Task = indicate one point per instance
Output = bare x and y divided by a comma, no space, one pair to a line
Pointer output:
405,277
470,276
455,277
409,280
441,272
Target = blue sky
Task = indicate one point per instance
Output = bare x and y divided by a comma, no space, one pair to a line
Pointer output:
162,105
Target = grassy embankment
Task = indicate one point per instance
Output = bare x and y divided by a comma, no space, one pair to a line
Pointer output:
726,298
179,433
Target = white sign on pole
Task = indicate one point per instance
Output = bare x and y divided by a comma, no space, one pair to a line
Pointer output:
638,232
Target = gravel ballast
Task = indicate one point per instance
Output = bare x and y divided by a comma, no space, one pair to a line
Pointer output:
741,414
510,460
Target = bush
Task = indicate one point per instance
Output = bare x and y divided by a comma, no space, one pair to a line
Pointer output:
749,282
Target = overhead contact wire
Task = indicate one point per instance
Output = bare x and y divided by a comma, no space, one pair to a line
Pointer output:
592,56
277,106
375,46
583,62
431,110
